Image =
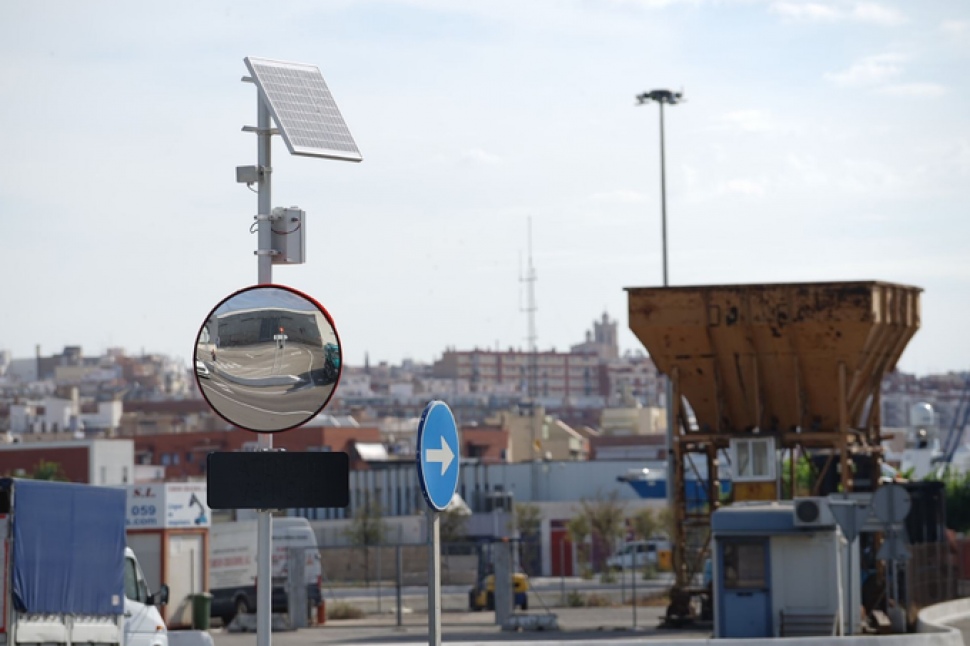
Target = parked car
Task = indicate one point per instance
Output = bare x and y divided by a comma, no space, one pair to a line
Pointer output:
637,554
202,370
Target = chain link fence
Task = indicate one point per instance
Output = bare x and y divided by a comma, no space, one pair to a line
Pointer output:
369,565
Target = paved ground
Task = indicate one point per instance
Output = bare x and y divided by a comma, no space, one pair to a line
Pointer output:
582,625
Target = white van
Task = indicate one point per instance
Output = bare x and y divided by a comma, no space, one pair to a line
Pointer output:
232,565
143,622
637,554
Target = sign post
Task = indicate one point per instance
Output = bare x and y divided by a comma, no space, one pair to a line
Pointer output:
437,458
850,517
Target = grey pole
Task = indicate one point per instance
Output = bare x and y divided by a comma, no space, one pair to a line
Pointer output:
434,578
663,193
264,529
562,571
661,97
634,587
669,394
400,575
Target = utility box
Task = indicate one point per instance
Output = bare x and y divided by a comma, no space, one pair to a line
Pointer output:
289,235
776,574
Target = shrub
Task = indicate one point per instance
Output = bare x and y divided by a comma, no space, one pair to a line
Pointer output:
575,599
598,601
343,610
649,572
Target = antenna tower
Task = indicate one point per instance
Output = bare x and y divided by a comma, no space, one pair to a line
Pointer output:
530,309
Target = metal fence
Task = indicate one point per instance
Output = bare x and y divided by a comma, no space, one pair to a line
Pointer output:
378,565
962,567
931,574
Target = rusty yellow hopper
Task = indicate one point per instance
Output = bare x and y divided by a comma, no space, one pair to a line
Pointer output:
776,357
798,363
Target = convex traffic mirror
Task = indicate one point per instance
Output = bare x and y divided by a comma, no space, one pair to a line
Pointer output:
267,358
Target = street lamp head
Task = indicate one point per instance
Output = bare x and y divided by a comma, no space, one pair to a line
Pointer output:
660,96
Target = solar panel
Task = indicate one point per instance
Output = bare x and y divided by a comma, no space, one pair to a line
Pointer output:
303,108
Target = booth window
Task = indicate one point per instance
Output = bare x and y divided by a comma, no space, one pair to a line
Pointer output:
744,565
753,459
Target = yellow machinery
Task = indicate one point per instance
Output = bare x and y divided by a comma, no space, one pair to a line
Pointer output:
482,596
799,362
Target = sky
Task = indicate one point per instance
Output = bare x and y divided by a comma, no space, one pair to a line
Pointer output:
825,140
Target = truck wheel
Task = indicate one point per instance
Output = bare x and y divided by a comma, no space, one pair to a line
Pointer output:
242,608
490,601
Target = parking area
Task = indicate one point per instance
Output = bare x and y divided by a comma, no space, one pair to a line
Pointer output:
581,625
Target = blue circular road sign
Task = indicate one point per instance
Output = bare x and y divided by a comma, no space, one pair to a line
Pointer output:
437,448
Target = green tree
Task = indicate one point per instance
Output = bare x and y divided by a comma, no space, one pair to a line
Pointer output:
46,470
605,517
453,525
645,524
665,518
957,491
578,530
528,522
367,528
803,478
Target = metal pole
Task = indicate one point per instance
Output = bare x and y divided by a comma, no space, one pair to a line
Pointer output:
562,571
851,580
669,394
840,615
400,581
264,530
434,579
622,580
634,588
663,192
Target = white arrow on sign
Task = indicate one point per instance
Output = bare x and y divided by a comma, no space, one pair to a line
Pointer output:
444,455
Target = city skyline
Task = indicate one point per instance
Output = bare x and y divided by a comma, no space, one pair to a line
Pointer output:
819,141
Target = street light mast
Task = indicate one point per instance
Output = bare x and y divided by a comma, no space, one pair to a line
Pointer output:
670,98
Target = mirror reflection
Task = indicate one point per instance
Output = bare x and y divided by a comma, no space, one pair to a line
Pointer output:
267,358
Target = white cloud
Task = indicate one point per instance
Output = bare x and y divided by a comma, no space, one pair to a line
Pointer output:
806,170
809,11
914,89
742,186
652,4
869,12
862,12
474,156
955,27
871,70
870,176
749,120
622,196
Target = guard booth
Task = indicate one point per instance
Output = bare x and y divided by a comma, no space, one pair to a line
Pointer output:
783,569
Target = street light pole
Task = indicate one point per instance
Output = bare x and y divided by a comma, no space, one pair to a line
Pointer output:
663,194
671,98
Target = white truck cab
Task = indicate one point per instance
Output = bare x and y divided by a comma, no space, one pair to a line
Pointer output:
144,625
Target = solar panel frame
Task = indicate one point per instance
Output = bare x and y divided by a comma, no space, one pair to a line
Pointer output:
303,108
